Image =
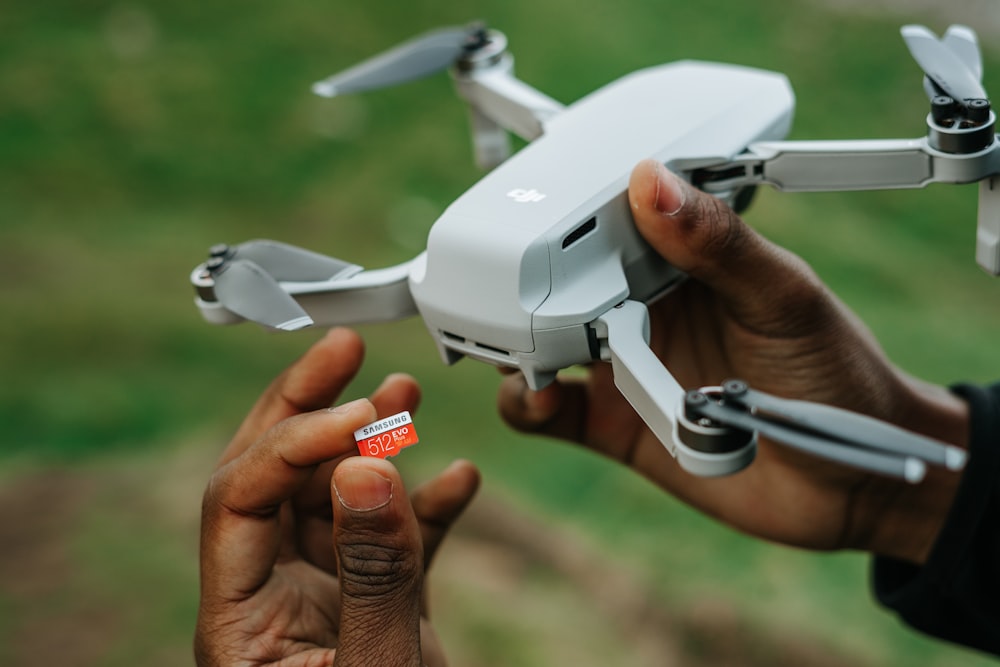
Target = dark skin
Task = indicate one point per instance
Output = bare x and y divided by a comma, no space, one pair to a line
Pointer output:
311,555
308,553
754,311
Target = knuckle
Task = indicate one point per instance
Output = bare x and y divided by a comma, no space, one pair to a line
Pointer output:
377,567
222,497
719,229
802,290
214,496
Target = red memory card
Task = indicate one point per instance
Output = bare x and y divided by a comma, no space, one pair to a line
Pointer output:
386,437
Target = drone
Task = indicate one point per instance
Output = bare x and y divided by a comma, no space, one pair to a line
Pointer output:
538,266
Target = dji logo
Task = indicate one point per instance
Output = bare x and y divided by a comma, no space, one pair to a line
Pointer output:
522,196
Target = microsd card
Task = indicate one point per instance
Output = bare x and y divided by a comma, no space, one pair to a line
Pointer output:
386,437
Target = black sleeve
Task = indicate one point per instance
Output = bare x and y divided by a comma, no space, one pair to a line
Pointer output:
956,594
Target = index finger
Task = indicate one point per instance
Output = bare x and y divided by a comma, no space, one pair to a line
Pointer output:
241,531
313,382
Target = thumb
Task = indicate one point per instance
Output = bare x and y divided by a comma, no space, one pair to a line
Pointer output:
380,561
702,236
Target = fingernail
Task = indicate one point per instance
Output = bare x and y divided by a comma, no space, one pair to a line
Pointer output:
670,193
347,408
362,490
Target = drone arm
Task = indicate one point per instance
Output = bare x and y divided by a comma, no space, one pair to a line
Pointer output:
381,295
828,166
501,102
821,166
507,100
641,378
623,335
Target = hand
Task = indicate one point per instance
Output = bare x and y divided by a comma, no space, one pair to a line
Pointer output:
311,556
754,311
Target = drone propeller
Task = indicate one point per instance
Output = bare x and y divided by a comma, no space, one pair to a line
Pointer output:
246,279
845,425
964,44
952,65
287,262
821,430
247,290
414,59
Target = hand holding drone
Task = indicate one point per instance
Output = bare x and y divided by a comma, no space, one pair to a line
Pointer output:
539,265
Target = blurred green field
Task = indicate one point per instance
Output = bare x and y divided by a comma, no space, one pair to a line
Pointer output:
133,136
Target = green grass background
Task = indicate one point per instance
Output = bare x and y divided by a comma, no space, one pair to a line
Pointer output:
133,136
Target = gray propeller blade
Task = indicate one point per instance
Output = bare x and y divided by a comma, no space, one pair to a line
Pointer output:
942,65
856,428
290,263
411,60
963,43
247,290
909,468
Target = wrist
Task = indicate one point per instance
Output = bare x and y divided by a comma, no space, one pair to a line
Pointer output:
934,411
906,519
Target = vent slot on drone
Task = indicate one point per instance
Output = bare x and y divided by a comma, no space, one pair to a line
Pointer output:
579,233
495,350
463,344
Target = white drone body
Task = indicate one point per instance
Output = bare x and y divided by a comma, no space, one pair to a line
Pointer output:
539,265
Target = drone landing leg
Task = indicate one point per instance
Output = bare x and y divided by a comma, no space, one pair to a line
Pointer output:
988,228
